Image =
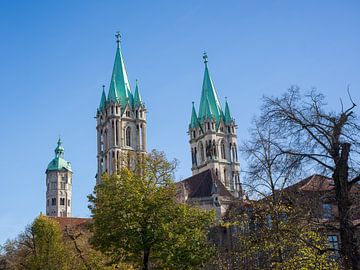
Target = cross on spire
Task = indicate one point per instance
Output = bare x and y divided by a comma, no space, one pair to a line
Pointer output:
118,37
205,57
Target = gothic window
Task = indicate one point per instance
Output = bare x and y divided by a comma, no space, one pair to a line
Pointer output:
194,134
53,201
214,149
195,156
128,113
137,114
117,133
141,114
216,172
212,126
235,151
112,109
202,154
223,150
208,126
229,130
117,109
62,201
128,136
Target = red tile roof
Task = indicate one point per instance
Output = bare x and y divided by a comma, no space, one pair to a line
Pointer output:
70,222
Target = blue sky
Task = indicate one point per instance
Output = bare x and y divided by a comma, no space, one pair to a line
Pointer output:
55,55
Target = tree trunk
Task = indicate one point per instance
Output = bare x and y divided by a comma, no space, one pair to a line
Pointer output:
349,251
146,259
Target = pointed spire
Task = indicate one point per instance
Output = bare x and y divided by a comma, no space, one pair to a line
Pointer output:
194,119
209,96
103,100
137,97
119,90
227,117
208,112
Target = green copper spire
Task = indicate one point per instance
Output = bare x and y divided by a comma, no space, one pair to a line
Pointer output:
119,90
137,97
209,97
59,163
103,100
227,117
194,120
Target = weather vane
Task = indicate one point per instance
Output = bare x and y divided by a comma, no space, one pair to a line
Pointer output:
205,57
118,36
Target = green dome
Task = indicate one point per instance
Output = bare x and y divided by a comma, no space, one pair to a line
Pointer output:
59,163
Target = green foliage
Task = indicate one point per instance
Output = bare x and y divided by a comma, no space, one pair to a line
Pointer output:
276,237
137,219
47,249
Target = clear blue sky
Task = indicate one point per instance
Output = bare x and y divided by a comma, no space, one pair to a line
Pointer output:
55,55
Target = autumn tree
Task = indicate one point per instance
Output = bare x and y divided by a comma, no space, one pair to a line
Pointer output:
138,221
272,232
326,140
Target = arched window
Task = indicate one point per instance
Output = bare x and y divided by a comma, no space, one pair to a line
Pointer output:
235,153
222,150
128,136
202,154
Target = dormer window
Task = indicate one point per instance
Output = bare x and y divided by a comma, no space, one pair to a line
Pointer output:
128,113
208,126
194,134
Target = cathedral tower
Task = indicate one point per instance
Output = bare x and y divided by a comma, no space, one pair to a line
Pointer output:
213,138
59,185
121,122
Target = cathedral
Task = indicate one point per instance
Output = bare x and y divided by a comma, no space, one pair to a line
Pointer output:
121,140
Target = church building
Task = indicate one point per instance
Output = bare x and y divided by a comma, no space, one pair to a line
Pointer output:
121,122
213,142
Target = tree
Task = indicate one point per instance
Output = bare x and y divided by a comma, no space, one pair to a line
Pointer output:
273,232
329,140
138,221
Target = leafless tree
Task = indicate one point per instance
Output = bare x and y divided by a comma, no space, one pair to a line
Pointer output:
326,140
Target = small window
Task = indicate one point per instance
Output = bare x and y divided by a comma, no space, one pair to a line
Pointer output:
68,202
53,201
194,134
62,201
327,211
208,126
333,241
128,113
63,185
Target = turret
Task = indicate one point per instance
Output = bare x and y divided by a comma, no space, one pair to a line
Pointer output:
59,184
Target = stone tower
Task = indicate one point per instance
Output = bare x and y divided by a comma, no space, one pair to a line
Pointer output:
121,122
59,185
213,138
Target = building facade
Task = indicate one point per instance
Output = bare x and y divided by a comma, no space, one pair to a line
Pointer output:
59,185
121,122
213,137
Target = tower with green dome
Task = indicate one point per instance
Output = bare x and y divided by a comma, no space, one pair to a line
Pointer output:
59,184
121,121
213,138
